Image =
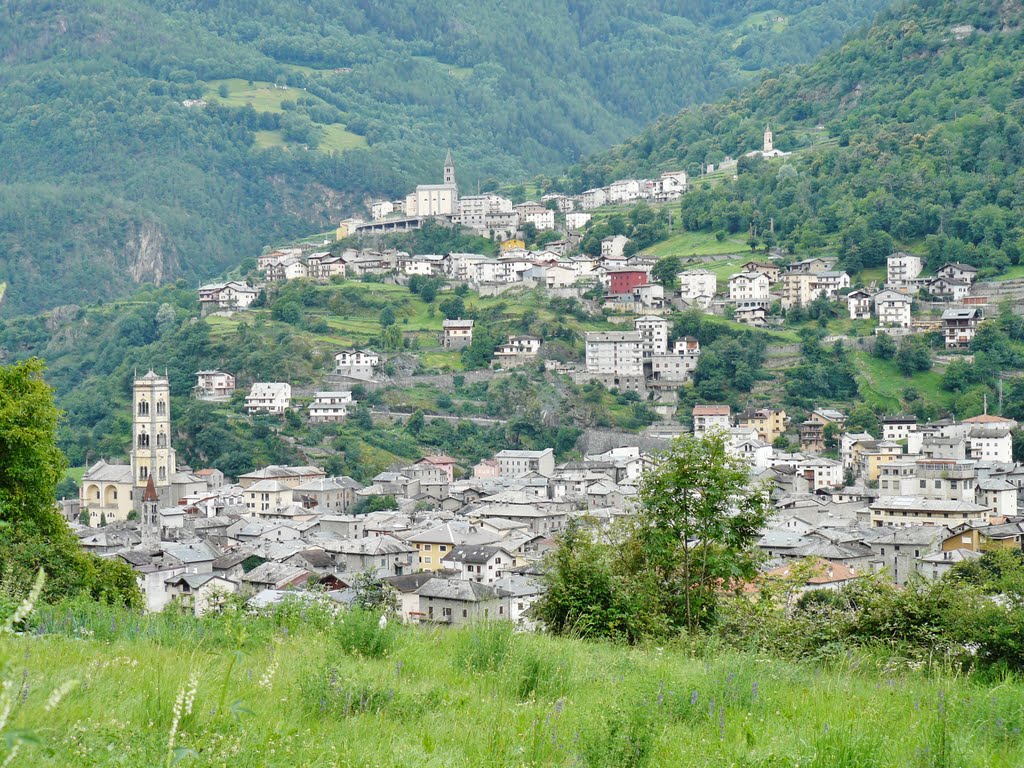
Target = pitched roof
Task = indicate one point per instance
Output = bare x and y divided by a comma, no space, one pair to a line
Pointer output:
458,589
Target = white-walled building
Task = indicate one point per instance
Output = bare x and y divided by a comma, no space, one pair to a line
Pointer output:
269,397
902,269
593,198
615,353
892,309
654,332
233,294
697,286
483,212
330,407
456,334
859,303
360,363
381,209
711,417
518,463
749,286
534,213
613,246
215,386
576,220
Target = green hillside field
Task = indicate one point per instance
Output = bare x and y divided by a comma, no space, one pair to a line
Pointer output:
303,688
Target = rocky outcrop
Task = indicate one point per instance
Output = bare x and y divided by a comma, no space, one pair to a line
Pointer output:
147,255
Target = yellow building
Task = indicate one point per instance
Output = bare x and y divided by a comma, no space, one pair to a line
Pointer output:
512,245
870,455
770,423
346,228
433,545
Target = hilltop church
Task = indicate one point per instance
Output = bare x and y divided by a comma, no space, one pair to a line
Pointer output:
768,149
113,491
436,199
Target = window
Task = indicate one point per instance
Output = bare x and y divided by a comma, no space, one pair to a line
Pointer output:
426,547
143,408
161,408
938,483
143,473
143,440
446,611
464,614
426,559
924,483
441,547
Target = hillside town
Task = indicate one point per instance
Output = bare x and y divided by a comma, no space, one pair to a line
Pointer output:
456,543
459,543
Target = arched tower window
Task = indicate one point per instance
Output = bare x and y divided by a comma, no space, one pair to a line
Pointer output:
161,440
143,408
161,408
163,473
143,473
143,440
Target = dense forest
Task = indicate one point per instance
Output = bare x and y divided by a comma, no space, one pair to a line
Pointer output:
910,133
145,140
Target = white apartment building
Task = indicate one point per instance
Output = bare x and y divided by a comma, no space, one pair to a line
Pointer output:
892,309
360,363
576,220
483,212
990,444
623,191
613,246
519,463
381,209
654,332
749,286
533,213
901,269
677,366
269,397
615,353
330,407
593,198
518,347
697,286
831,283
230,295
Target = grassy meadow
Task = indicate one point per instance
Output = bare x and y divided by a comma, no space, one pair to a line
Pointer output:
301,687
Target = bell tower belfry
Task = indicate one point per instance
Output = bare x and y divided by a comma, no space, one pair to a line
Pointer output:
769,140
152,458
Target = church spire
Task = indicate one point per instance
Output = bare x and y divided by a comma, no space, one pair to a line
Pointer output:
449,168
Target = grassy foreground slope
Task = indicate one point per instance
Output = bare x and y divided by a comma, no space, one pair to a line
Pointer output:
301,688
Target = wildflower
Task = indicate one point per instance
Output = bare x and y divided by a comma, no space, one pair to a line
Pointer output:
268,675
23,610
58,694
693,698
753,691
182,708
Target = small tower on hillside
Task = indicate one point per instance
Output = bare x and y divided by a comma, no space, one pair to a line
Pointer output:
152,457
449,169
150,517
769,141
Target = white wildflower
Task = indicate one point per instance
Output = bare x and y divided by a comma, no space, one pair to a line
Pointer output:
383,621
58,694
26,606
182,707
11,755
268,676
6,702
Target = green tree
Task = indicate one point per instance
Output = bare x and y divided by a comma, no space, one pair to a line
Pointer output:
387,316
666,269
32,534
696,528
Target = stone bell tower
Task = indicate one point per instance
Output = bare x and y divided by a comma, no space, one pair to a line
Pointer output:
152,457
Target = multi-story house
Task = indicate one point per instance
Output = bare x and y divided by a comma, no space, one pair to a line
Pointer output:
534,213
593,198
859,303
614,353
697,286
654,332
831,283
812,431
799,289
749,286
269,397
360,363
892,309
710,417
960,325
901,270
770,423
456,334
330,407
215,386
957,271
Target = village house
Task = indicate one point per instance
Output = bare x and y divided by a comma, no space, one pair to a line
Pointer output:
381,209
613,246
433,544
382,556
214,386
330,407
892,309
268,496
456,334
947,289
754,315
269,397
697,286
483,563
770,423
916,510
831,283
812,430
959,326
859,302
457,602
576,220
749,286
771,271
902,269
810,266
623,280
710,417
518,463
531,212
230,295
329,495
593,198
446,464
357,363
517,350
676,366
898,427
964,273
799,289
290,476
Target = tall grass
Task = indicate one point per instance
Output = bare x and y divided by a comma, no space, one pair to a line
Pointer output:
304,686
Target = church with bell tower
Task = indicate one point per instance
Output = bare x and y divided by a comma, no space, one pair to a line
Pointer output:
152,457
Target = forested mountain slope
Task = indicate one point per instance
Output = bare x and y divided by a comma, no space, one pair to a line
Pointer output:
111,175
911,132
